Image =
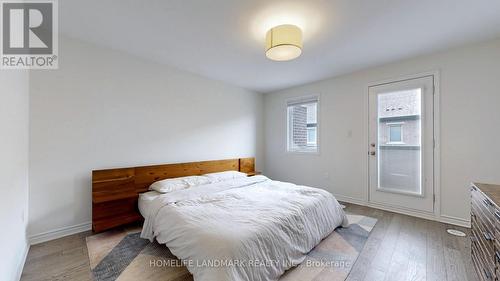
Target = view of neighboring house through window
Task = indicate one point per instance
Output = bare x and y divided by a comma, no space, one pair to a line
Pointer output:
395,133
303,124
399,141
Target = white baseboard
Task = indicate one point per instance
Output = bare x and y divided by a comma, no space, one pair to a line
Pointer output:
58,233
20,266
351,200
455,221
440,218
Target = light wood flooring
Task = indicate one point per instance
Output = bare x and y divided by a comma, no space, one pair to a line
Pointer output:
399,248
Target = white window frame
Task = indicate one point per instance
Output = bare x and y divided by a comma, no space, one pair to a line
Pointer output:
304,100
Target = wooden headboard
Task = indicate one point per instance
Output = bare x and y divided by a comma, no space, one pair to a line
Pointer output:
115,191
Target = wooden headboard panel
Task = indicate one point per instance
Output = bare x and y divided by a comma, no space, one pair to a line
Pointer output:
115,191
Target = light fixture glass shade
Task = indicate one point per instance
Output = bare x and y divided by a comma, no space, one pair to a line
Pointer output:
284,42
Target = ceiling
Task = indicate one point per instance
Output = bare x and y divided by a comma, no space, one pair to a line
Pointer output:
224,39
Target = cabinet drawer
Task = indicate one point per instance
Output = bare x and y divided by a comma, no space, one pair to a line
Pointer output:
485,223
476,265
485,231
496,218
484,247
485,269
483,204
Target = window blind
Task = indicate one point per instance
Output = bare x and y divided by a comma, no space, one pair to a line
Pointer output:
300,101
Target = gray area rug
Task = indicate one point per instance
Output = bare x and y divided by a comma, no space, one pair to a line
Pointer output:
123,255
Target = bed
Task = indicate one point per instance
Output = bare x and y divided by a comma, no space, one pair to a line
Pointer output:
249,228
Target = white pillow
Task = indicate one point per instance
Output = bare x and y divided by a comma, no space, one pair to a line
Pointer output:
169,185
223,176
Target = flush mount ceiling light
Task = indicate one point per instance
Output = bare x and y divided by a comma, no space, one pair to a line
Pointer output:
284,42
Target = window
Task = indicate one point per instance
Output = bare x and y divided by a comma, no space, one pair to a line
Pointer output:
303,124
395,133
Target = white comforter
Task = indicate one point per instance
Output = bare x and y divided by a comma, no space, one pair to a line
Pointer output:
244,229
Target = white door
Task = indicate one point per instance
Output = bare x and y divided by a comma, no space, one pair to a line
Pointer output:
401,132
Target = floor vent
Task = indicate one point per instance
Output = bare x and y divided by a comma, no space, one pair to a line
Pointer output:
456,232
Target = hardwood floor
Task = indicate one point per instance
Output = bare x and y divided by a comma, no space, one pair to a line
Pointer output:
399,248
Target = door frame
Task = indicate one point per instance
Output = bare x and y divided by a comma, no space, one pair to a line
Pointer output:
436,215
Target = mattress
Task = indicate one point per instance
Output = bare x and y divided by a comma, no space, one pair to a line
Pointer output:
145,201
243,229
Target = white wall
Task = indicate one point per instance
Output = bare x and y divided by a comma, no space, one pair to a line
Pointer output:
105,109
470,127
14,112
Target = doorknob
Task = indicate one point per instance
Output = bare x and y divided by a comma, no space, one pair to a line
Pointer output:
372,153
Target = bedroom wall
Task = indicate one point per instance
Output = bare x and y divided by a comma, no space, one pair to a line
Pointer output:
470,122
14,112
104,109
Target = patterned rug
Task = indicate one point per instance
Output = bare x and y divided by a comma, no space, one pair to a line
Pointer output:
123,255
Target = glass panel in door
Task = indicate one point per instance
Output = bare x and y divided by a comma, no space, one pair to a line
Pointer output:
399,141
